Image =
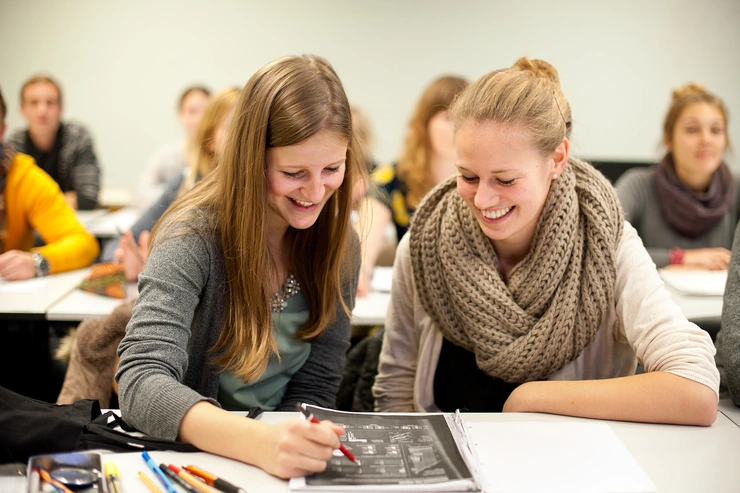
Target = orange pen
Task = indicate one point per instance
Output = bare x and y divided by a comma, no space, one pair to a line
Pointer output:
192,480
213,480
45,476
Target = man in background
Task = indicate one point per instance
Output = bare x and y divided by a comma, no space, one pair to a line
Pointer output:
63,150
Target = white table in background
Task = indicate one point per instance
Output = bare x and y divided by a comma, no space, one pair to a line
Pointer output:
32,298
88,217
697,293
113,224
114,196
676,458
371,309
729,409
79,305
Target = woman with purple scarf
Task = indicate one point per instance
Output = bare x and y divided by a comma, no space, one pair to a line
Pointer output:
686,208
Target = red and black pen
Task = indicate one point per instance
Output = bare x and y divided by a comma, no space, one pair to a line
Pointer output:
310,417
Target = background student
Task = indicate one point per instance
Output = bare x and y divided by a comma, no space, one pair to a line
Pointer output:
246,295
133,248
172,159
64,150
521,288
685,209
30,200
427,158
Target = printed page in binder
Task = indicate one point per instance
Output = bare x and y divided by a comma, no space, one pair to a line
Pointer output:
413,452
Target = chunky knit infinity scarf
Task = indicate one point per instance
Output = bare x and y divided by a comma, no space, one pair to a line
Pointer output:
689,213
557,297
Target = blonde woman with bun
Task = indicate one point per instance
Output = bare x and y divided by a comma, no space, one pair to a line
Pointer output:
685,209
520,287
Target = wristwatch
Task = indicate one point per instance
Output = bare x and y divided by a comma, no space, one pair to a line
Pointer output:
41,265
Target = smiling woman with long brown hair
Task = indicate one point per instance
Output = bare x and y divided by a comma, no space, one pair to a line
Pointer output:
246,296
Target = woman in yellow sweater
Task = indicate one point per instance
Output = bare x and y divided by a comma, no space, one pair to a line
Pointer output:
30,200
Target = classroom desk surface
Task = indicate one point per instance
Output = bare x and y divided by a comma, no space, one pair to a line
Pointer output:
33,297
112,224
729,409
697,293
78,305
371,309
675,458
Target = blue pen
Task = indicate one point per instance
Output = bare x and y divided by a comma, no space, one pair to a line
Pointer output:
158,472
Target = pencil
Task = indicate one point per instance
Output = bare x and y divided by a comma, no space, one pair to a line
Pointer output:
149,483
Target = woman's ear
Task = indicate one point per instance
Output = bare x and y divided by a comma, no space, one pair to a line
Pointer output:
560,157
668,144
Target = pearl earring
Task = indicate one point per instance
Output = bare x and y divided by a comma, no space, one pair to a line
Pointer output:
554,175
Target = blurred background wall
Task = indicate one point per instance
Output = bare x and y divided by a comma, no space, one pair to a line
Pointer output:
122,64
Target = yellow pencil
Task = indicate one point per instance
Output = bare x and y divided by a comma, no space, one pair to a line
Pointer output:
149,483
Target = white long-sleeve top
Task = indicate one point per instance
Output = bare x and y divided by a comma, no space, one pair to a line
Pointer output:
644,324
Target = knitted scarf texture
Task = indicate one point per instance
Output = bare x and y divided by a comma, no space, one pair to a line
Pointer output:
557,297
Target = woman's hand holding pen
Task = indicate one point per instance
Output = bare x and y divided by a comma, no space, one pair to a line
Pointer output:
297,447
132,256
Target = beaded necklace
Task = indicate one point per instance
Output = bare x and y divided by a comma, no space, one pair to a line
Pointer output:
280,299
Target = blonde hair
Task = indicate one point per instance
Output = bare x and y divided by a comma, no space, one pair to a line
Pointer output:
363,128
286,102
528,94
413,164
205,159
41,78
685,96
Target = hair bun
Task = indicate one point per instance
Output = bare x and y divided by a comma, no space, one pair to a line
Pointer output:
690,89
539,68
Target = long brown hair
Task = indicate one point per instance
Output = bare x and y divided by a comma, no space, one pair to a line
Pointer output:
286,102
413,164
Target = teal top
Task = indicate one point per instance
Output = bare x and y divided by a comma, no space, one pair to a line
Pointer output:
267,391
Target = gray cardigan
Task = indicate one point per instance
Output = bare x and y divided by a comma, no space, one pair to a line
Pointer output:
728,338
164,368
636,191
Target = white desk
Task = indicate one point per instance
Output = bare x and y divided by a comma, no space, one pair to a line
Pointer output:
692,305
113,224
78,305
114,196
729,409
88,217
675,458
371,309
33,297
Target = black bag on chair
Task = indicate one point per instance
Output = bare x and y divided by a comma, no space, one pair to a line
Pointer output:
31,427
